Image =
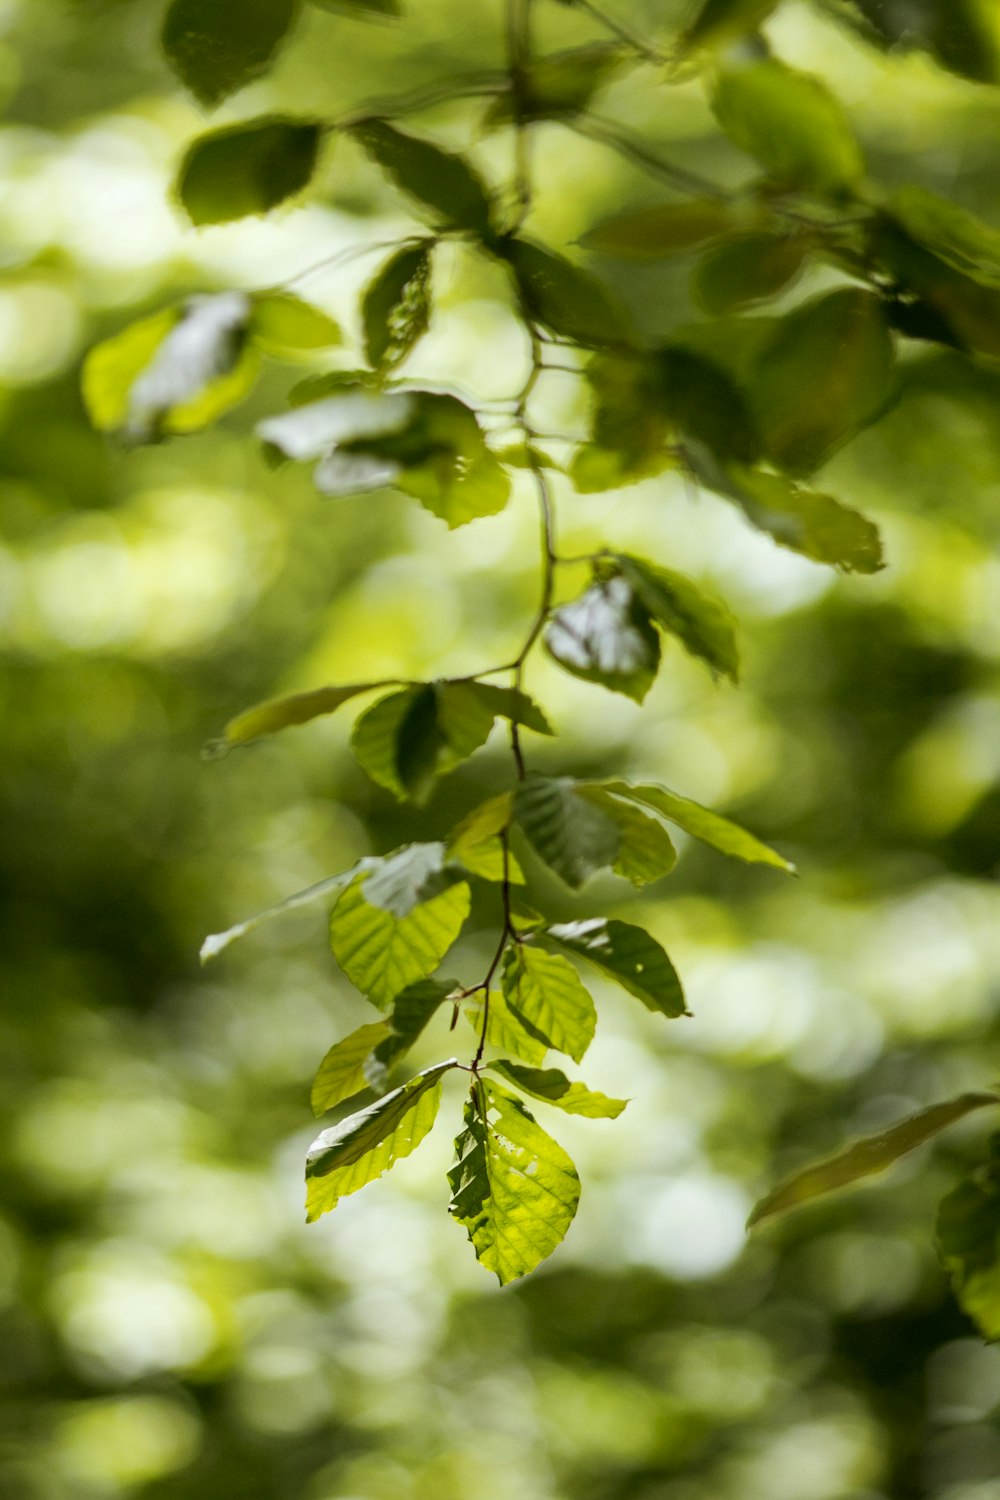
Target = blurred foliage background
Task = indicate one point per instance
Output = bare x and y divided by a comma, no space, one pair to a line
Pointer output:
168,1325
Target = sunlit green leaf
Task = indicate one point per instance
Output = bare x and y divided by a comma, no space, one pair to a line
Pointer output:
968,1241
474,843
174,372
701,823
747,269
505,1029
513,1188
645,851
564,297
214,51
663,229
217,941
383,948
247,169
545,993
285,325
704,626
441,459
407,739
606,637
350,1155
399,743
437,179
396,307
282,713
791,123
552,1085
568,833
630,956
350,416
721,21
804,520
861,1159
342,1072
826,372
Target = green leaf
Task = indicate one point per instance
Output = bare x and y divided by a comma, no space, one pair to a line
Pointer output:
468,710
805,521
630,424
217,941
247,169
404,879
286,326
703,824
559,86
429,446
411,1011
867,1156
174,372
665,229
214,51
703,626
747,269
399,743
961,34
513,1188
353,415
526,456
342,1072
505,1029
568,833
563,297
962,310
606,636
281,713
721,21
704,402
960,239
628,955
446,463
437,179
826,372
552,1085
407,739
350,1155
645,851
474,843
968,1241
396,306
791,123
545,993
383,946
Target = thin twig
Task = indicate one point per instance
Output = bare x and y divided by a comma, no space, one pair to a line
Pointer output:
607,133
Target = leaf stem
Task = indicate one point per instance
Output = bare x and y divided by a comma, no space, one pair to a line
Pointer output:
624,33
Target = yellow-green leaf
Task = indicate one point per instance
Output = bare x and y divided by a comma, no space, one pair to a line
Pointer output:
513,1187
545,993
350,1155
873,1154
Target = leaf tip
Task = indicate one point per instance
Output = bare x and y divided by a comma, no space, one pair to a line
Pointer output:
216,749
